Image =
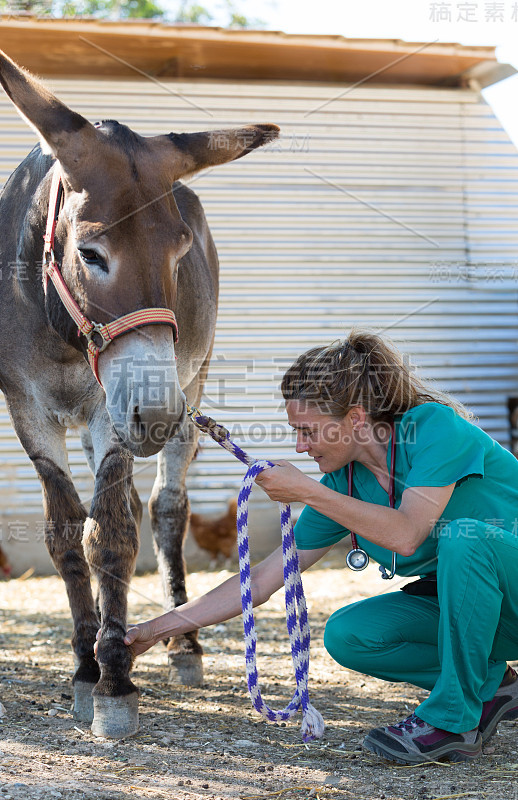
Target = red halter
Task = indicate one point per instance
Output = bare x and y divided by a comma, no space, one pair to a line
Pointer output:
105,332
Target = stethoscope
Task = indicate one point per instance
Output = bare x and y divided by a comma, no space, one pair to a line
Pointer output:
357,559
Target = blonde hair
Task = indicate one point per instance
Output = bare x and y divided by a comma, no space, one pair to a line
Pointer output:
364,370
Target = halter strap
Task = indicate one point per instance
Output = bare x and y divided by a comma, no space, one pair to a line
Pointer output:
98,335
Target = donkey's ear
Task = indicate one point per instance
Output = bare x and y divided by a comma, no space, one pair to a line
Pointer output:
196,151
64,133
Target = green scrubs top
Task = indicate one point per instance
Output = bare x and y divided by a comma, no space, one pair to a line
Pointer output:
434,447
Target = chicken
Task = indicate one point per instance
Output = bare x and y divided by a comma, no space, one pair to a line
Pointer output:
5,567
216,535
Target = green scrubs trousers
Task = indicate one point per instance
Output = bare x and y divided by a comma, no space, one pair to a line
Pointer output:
455,645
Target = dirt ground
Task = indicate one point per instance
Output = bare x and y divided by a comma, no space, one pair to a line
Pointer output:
208,742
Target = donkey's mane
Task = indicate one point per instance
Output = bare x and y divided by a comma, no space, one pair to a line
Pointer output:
125,139
120,134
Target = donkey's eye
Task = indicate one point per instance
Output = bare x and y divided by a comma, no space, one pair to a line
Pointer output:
93,259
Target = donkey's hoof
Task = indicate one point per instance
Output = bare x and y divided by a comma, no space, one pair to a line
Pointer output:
115,717
185,669
83,701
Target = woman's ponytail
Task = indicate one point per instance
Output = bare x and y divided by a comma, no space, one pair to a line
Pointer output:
364,370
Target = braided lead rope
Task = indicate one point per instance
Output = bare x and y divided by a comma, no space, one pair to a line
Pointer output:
296,611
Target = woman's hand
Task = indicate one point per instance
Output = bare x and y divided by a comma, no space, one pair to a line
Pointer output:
140,638
284,483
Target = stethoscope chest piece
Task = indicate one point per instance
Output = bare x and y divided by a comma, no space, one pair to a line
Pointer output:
357,559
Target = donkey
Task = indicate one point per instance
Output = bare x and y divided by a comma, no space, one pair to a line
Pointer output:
125,244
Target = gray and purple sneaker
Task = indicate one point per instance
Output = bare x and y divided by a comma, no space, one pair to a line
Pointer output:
504,705
414,741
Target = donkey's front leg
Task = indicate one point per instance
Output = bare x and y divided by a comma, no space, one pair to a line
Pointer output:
111,546
44,441
169,511
64,518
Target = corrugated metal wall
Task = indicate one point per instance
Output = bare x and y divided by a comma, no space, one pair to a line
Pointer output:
394,208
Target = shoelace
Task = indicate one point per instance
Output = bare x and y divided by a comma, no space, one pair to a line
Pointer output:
411,722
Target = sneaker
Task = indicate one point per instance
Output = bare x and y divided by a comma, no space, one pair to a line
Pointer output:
414,741
504,705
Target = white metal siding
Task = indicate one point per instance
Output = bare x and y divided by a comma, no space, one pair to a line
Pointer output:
393,208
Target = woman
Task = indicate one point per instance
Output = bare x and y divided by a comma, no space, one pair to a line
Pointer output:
362,414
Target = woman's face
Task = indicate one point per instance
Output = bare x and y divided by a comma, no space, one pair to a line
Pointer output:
326,439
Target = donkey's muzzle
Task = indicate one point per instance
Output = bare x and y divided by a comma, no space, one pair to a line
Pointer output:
144,425
146,431
143,396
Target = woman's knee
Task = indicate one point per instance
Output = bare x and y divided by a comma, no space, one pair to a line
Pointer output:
348,635
337,638
361,633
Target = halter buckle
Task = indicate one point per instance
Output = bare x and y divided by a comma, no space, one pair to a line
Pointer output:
98,329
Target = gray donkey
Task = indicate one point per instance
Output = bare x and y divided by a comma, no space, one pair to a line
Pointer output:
98,232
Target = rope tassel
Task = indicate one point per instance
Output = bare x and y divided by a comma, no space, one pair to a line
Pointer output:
296,612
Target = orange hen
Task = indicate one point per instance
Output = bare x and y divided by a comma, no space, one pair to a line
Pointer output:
216,535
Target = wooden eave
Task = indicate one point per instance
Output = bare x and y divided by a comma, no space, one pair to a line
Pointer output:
94,48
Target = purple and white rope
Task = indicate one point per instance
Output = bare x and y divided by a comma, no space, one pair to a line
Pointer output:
296,612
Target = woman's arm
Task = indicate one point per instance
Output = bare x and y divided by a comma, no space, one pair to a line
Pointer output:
218,605
402,529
